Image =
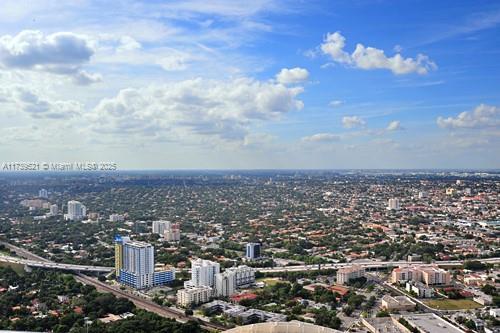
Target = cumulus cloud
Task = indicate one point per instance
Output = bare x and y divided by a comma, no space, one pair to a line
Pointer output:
38,107
394,125
84,78
60,53
482,116
322,137
128,43
372,58
199,107
352,122
292,75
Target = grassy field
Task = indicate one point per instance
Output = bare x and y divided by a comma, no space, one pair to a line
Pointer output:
19,269
453,304
270,281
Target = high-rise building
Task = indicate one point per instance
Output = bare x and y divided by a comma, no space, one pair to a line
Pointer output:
159,227
253,251
232,278
169,231
43,193
173,234
393,204
76,211
202,273
134,264
54,210
225,283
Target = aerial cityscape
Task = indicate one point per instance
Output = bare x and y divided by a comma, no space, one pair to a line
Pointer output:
267,166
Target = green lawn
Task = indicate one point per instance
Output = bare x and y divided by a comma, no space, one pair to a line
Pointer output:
270,281
453,304
19,269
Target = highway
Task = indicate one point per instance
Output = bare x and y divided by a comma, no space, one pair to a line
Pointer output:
367,264
34,260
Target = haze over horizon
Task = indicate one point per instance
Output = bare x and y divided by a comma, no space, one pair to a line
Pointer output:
252,85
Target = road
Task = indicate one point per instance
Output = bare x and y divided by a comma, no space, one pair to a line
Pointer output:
368,264
144,303
424,307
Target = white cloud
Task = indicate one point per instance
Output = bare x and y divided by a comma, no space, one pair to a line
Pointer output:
84,78
482,116
372,58
293,75
352,121
61,53
394,125
333,45
198,107
128,43
336,103
38,107
174,62
322,137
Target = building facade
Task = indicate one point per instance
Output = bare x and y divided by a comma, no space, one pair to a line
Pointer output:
346,274
76,211
134,265
202,273
427,274
194,296
253,251
169,231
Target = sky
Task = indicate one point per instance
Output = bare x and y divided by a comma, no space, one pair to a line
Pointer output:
255,84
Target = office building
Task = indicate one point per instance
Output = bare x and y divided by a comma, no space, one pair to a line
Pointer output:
422,195
76,211
194,296
253,251
346,274
53,210
134,265
202,273
43,193
393,204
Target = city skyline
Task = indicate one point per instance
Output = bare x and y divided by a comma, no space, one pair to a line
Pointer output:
261,85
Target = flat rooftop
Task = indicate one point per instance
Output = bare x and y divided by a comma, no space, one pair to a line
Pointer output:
429,322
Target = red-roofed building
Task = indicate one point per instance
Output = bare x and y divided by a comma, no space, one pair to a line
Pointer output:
240,297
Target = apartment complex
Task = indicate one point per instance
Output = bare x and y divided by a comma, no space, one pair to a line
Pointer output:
169,231
76,211
193,296
428,274
346,274
134,265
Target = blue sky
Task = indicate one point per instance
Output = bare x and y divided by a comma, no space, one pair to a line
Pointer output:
260,84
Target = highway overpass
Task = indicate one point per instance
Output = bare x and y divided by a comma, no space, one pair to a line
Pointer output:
53,265
301,268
